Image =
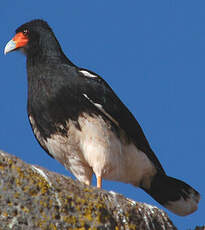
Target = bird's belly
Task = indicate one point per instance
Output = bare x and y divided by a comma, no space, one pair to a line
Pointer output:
110,156
132,166
95,147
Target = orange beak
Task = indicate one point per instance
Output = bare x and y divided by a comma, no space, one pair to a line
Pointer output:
18,41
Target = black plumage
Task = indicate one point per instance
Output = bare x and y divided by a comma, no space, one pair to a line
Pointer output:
67,103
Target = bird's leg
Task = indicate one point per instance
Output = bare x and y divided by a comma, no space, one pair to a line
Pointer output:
99,181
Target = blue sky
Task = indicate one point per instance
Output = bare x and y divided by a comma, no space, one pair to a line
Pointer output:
152,53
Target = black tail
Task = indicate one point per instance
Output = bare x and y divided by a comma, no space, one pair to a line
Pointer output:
173,194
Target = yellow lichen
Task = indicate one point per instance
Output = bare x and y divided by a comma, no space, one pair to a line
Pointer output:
25,209
52,227
70,219
88,215
16,195
18,181
9,203
5,214
50,203
2,166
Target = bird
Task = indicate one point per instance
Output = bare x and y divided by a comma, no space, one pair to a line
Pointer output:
79,120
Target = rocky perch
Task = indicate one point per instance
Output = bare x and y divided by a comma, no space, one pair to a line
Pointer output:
34,198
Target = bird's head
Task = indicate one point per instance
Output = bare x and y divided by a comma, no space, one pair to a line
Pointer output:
34,37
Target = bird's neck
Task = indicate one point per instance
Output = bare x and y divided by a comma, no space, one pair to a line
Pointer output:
47,49
47,57
42,73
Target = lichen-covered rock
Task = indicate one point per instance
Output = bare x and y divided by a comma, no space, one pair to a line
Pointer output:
33,198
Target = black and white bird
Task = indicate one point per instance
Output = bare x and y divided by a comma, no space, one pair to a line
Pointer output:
79,120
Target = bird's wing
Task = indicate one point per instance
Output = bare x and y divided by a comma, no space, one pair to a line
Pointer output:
99,94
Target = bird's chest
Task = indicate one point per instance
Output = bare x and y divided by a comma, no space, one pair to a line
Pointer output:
61,141
52,112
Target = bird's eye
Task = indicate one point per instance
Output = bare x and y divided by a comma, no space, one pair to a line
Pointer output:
25,32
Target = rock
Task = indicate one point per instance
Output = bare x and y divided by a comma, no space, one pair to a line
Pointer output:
34,198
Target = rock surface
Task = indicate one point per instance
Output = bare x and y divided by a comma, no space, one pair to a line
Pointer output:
33,198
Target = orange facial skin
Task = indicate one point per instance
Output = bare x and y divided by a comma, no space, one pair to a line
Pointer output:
20,39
